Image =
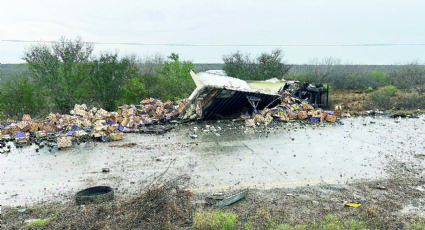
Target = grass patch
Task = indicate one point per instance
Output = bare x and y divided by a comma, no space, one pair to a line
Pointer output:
38,223
212,219
329,222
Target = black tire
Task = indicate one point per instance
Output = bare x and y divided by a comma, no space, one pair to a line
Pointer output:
94,195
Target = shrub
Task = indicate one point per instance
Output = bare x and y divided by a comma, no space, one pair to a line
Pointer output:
411,101
410,76
388,90
20,97
175,78
377,79
264,67
383,98
133,91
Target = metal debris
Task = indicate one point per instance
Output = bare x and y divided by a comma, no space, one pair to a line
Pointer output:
218,96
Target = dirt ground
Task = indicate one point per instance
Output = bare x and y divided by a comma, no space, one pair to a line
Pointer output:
388,204
354,101
396,202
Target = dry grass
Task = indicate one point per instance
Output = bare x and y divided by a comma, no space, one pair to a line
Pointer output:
159,208
351,100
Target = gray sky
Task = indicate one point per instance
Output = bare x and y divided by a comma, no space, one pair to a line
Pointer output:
356,32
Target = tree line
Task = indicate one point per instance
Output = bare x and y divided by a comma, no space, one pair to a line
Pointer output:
67,72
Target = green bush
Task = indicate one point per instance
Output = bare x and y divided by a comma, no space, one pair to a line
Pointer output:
264,67
70,73
383,98
175,80
410,101
20,97
377,79
133,91
388,90
410,76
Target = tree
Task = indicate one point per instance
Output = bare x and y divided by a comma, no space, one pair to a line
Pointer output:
20,96
176,77
70,73
271,65
60,69
108,76
264,67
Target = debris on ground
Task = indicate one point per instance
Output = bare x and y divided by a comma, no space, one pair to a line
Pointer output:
216,97
154,208
131,144
220,200
352,205
83,124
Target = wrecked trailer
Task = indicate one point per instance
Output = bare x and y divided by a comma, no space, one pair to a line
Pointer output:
311,92
219,97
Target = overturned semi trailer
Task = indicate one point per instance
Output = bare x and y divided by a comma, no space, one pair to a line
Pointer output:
218,97
315,94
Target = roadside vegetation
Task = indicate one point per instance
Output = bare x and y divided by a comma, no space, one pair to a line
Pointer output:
168,207
264,67
66,72
396,89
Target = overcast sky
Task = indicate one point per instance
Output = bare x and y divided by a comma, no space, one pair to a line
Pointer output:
202,31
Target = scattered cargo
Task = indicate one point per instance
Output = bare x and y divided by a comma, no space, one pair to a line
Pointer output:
218,97
215,97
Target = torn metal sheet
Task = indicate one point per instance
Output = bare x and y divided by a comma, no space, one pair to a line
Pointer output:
217,97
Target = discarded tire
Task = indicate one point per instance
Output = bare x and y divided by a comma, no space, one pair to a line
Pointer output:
94,195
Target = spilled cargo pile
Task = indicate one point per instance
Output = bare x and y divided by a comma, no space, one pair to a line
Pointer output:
291,108
215,98
83,124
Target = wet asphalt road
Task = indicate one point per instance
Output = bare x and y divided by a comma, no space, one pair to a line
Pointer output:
291,155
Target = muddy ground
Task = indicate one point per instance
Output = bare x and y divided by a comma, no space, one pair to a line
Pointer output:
378,164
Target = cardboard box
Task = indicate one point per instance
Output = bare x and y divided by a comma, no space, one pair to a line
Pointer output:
64,142
330,118
307,107
302,115
116,136
26,117
258,118
292,115
22,139
40,133
23,126
33,127
79,134
249,122
268,119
